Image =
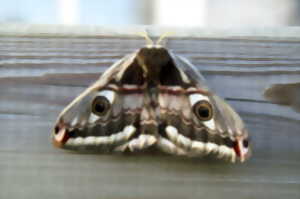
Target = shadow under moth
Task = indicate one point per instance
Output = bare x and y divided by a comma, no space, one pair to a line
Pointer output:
152,99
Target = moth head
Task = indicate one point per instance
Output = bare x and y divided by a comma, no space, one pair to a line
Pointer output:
157,44
221,122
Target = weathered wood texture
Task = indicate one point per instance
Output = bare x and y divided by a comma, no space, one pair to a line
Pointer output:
40,74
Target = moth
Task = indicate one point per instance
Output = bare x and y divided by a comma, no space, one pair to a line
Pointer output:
152,99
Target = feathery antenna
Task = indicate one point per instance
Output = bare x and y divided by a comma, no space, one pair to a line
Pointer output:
162,37
145,34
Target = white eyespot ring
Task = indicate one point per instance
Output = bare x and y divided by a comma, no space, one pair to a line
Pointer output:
101,104
203,109
108,94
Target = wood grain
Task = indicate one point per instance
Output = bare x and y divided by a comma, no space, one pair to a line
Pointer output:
41,73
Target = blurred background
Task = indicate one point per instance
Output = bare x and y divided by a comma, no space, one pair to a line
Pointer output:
159,12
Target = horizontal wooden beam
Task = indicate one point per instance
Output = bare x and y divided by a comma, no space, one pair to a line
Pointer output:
285,33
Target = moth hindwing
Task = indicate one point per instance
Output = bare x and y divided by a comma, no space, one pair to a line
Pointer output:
152,98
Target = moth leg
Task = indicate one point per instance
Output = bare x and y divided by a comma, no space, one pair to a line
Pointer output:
142,142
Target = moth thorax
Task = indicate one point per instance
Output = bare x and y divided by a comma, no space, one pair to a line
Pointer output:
152,60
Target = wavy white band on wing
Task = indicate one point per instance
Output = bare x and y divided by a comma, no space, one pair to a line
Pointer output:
142,142
198,147
168,147
124,135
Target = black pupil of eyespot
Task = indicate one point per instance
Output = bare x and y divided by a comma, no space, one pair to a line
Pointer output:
203,112
246,143
100,106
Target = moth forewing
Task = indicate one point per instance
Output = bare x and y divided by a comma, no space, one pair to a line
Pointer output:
103,79
189,71
226,128
77,114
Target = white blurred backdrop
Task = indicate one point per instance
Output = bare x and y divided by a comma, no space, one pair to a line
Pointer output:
160,12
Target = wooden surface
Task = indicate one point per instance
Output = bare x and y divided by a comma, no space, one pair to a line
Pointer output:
42,73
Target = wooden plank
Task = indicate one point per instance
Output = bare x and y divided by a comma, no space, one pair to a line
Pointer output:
41,72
